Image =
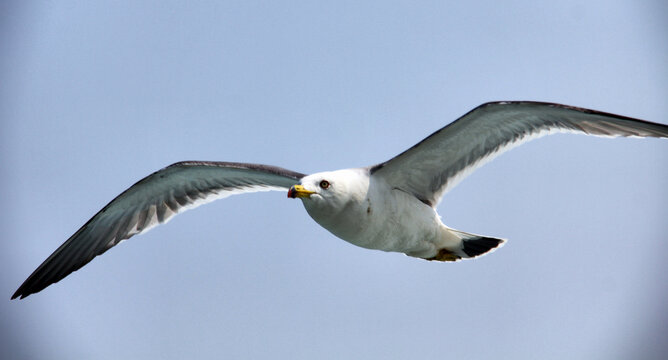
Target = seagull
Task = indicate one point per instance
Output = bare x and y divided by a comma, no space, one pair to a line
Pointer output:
390,206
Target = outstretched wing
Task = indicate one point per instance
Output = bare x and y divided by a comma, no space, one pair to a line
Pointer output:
152,201
436,164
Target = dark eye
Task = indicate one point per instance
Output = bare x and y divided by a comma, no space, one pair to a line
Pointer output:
324,184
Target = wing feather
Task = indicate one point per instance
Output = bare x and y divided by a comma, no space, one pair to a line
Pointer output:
152,201
436,164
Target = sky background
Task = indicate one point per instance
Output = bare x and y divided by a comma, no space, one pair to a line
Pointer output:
93,97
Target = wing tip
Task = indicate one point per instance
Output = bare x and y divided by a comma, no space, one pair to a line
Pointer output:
21,293
29,287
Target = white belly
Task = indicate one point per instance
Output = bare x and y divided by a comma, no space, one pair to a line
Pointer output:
402,224
389,220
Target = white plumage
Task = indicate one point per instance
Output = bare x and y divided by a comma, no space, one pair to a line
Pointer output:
389,206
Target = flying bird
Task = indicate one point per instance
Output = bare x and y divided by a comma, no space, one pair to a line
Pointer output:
390,206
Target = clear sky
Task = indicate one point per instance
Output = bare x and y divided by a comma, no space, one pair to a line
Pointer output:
95,96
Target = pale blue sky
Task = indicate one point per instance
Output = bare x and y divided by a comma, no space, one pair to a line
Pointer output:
95,96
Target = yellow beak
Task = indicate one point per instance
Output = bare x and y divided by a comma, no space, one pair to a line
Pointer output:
298,191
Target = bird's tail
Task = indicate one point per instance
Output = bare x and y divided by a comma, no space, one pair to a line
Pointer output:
466,246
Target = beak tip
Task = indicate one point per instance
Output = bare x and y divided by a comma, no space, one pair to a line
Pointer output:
298,191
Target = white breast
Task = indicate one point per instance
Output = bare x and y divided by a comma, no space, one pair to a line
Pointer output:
379,217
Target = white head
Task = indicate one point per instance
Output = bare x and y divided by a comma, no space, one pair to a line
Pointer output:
331,197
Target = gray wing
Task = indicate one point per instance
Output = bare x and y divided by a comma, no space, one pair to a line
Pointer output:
436,164
152,201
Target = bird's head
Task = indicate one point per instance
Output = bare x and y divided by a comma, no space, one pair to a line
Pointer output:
326,194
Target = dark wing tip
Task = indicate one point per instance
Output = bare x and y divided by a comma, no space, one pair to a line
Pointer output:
28,288
44,276
22,294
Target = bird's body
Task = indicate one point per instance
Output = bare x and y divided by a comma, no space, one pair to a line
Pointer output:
390,206
370,213
376,216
